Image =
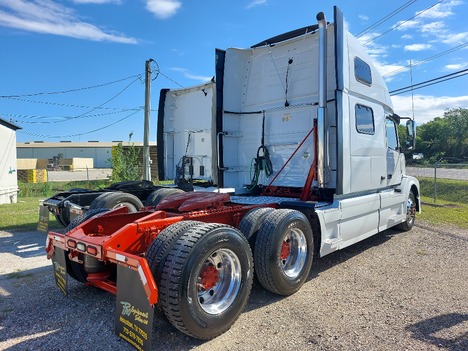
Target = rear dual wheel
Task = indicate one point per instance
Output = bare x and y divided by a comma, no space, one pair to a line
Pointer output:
283,251
113,200
157,253
206,280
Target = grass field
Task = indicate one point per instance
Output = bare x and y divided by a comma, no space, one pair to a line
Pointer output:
24,214
451,207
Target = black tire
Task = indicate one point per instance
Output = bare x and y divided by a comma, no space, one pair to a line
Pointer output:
113,200
156,254
410,214
251,222
284,251
59,219
156,196
74,269
206,280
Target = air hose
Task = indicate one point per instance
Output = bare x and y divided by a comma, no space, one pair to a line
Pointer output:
261,162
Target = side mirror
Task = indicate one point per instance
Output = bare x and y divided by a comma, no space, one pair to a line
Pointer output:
410,134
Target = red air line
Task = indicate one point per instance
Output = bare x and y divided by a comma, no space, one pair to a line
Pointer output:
289,159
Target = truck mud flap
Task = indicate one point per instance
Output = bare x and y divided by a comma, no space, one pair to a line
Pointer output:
133,313
60,270
43,224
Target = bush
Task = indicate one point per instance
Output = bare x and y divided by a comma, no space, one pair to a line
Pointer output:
125,165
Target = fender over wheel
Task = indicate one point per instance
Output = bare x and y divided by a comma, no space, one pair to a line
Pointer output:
206,280
284,251
158,195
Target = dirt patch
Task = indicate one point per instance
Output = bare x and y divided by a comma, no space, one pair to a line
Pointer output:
394,291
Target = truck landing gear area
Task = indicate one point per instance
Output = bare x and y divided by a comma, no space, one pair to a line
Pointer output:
301,172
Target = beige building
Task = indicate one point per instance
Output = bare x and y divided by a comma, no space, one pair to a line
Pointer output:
99,152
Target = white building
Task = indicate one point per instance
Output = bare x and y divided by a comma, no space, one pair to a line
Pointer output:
8,172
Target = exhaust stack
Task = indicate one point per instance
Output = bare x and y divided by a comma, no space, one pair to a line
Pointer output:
322,101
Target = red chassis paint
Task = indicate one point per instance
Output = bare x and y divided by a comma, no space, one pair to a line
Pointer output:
118,237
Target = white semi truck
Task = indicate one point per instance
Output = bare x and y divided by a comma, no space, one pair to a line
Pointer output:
302,140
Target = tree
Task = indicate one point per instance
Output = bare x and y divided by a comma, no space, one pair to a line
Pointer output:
125,164
445,137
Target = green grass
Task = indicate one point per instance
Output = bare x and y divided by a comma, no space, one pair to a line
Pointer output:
50,188
443,212
451,206
23,215
447,189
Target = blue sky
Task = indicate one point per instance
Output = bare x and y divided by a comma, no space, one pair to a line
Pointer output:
74,69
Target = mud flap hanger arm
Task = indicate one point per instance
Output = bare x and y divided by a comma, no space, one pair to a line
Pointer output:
140,265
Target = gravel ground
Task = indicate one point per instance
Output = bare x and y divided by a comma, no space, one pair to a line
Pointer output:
394,291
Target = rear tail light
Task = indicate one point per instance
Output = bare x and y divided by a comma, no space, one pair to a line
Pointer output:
71,243
92,250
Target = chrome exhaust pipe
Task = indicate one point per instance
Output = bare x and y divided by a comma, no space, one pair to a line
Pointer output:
322,101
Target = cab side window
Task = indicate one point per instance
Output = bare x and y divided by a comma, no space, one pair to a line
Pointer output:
392,134
364,120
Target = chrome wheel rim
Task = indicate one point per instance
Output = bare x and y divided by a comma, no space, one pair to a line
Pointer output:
219,281
410,210
293,253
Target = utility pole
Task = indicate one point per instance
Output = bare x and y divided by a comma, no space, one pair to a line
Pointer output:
146,130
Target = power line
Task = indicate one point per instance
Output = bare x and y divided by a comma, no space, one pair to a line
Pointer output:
31,119
68,105
429,82
403,22
91,108
172,80
385,18
78,134
109,100
70,90
417,63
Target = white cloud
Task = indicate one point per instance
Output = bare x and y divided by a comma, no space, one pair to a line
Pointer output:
417,47
427,107
187,74
255,3
433,27
402,25
459,38
49,17
388,71
163,8
441,10
364,17
456,66
97,2
406,36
